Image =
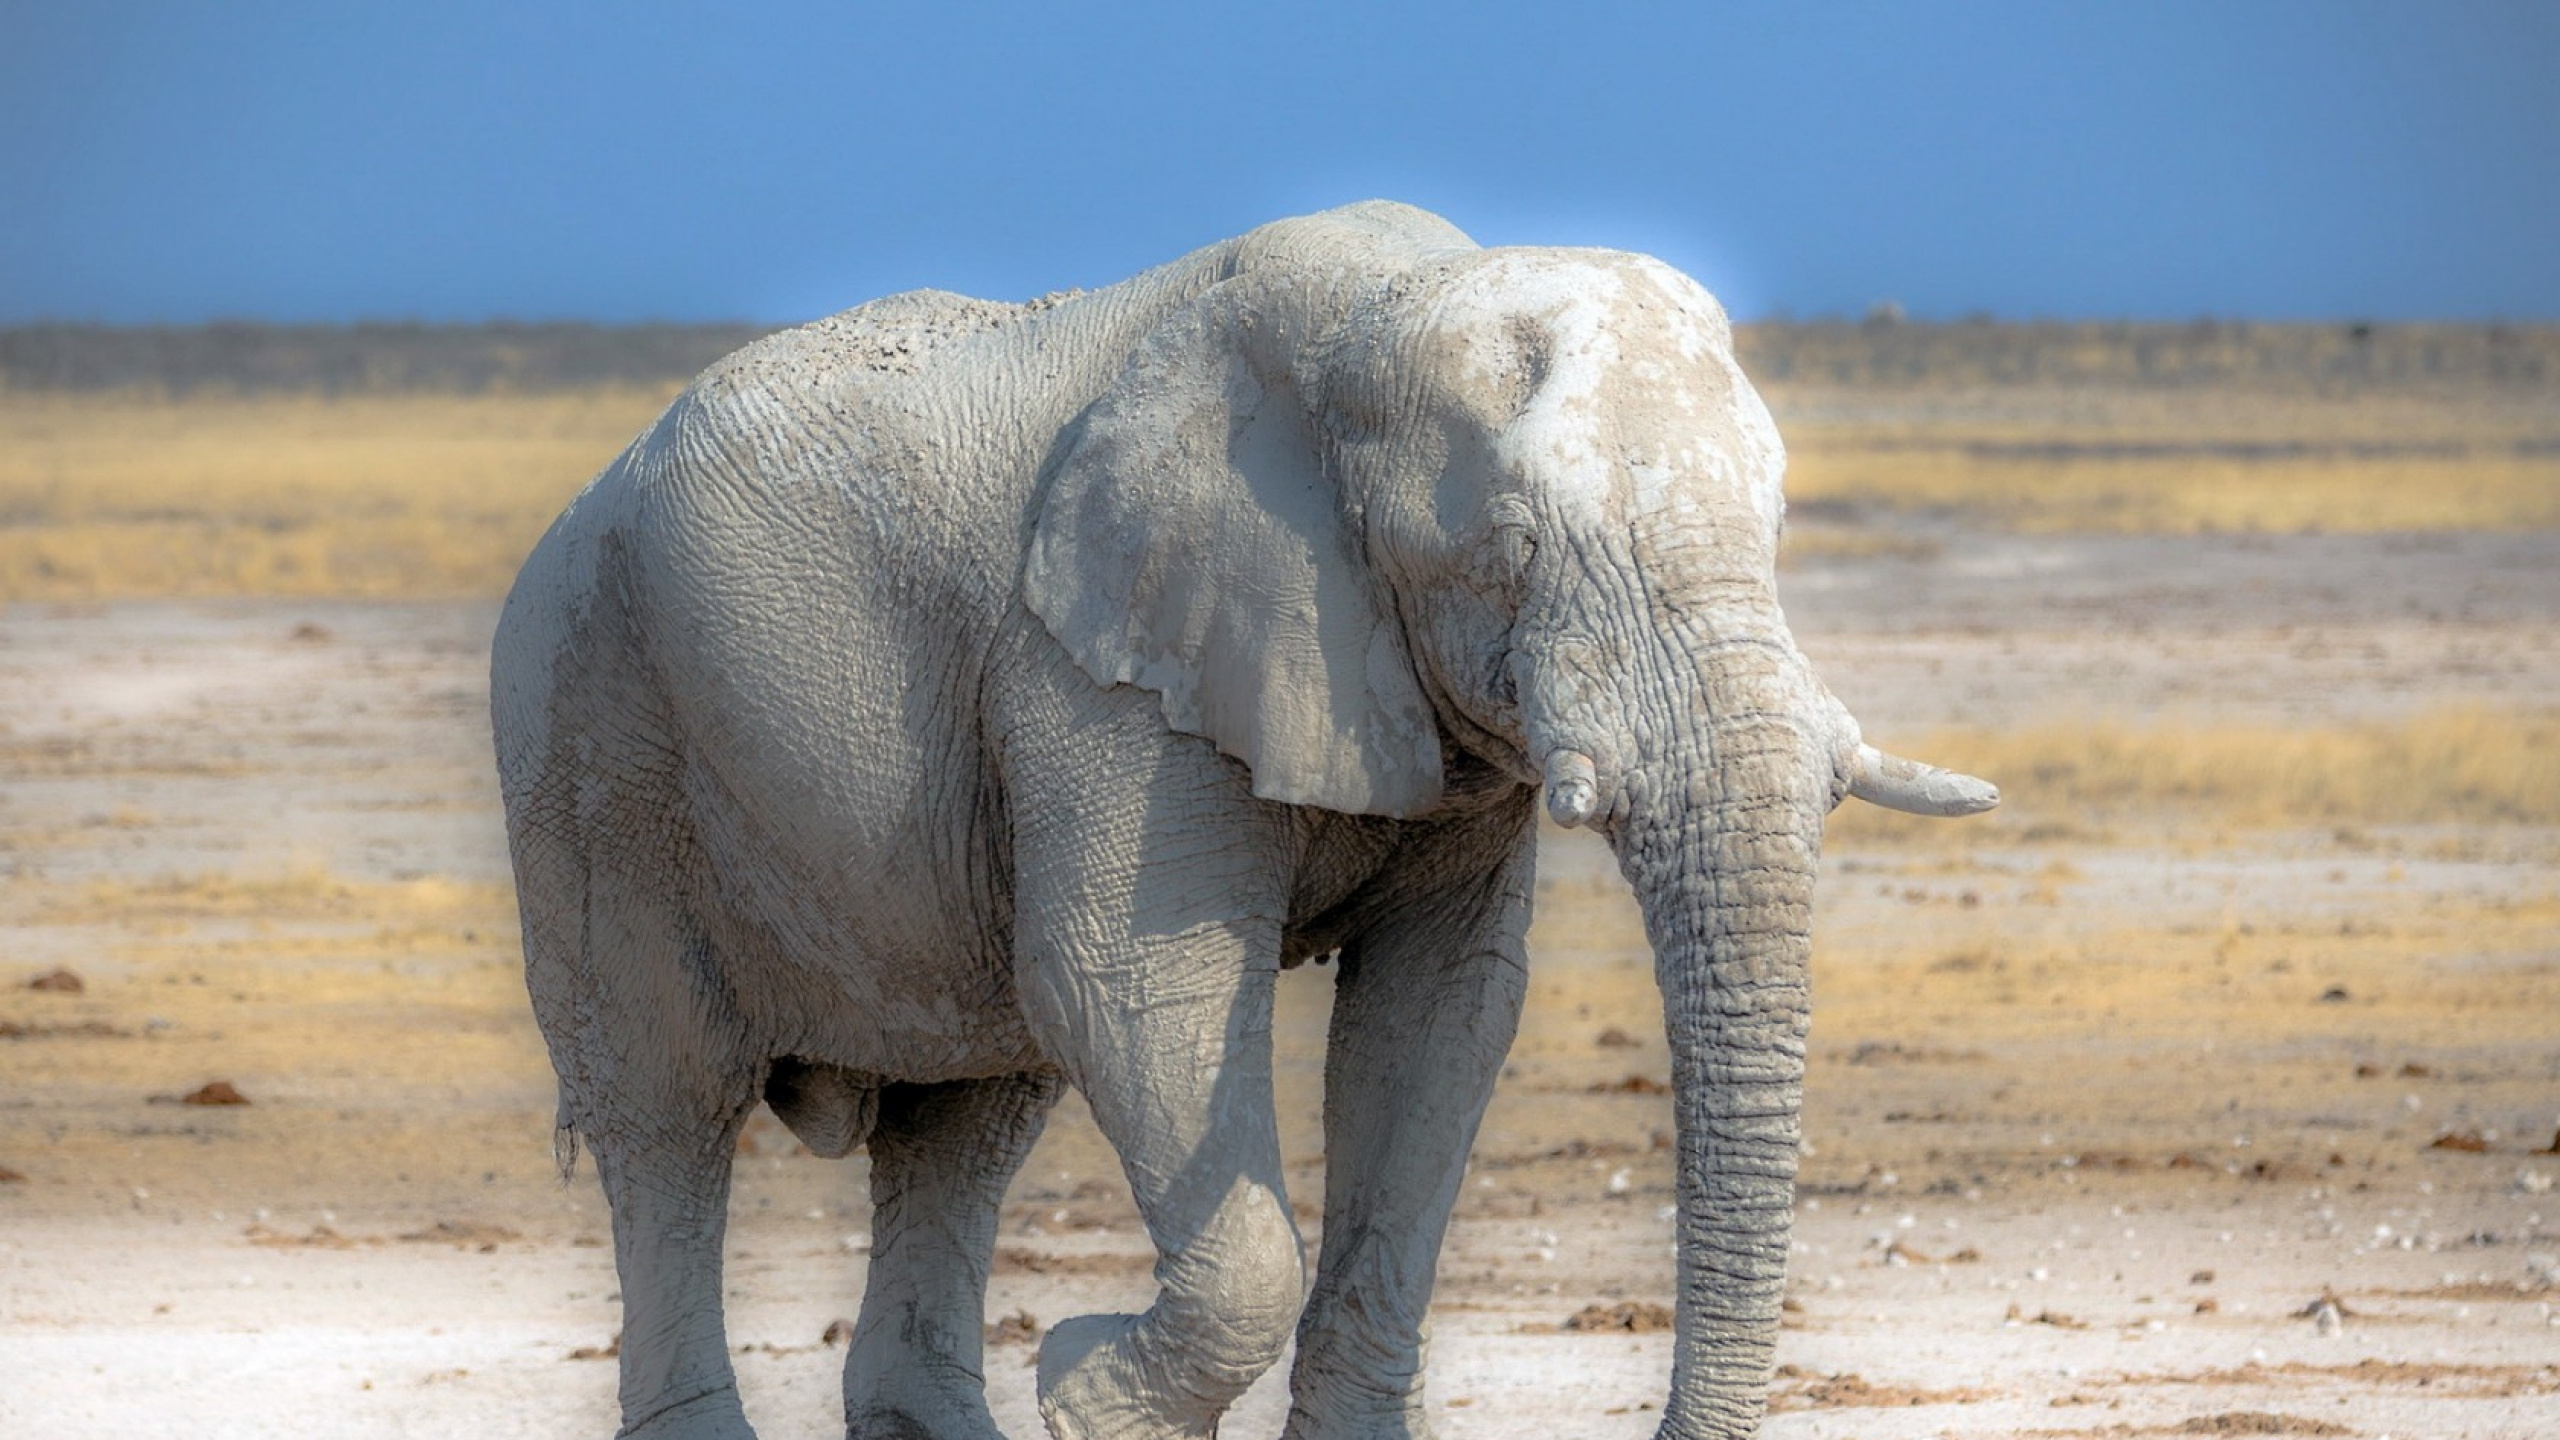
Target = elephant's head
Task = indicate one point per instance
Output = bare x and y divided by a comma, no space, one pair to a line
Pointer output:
1380,499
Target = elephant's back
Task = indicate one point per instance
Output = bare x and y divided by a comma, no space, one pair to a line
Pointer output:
880,342
903,437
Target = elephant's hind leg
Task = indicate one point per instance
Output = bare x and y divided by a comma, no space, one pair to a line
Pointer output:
941,1157
656,1077
670,1194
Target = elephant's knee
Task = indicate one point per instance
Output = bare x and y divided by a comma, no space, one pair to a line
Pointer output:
1231,1296
1236,1294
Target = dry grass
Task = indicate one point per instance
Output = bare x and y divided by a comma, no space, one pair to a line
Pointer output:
300,894
106,496
2468,766
2149,978
2187,494
110,496
2130,460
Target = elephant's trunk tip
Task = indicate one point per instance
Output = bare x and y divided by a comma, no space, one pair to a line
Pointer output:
1573,788
1915,788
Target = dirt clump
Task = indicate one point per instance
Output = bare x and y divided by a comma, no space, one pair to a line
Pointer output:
2493,1291
1898,1253
58,982
1040,1262
1019,1328
2471,1381
2325,1309
214,1092
1894,1052
320,1237
1803,1389
462,1235
1627,1317
2257,1422
2491,1381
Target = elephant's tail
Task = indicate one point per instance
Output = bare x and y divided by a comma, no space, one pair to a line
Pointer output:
564,1141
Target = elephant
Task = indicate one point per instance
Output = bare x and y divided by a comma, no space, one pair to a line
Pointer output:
949,701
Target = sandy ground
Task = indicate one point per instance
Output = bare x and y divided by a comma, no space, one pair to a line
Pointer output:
2095,1124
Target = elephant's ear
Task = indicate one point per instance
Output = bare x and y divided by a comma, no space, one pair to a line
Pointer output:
1192,542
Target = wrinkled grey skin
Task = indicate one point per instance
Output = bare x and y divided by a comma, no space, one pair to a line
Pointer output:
948,700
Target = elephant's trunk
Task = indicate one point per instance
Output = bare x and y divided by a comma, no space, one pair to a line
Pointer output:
1720,835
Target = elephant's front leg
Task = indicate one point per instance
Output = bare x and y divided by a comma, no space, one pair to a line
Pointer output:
1150,947
1424,1009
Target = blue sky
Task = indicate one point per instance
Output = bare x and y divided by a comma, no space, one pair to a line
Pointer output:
622,161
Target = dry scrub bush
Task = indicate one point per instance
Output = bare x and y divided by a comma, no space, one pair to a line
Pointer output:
2470,766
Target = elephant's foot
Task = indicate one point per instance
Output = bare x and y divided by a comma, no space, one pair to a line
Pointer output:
711,1415
1357,1377
1327,1423
1094,1385
1393,1427
893,1422
1336,1407
918,1400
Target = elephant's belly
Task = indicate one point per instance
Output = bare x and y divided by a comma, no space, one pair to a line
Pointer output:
899,1019
866,977
867,945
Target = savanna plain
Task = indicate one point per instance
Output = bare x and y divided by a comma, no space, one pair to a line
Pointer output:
2210,1086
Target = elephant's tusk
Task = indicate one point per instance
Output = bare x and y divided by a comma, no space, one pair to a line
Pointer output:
1573,787
1909,786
